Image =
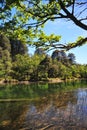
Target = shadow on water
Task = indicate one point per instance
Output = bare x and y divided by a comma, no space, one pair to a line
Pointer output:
60,106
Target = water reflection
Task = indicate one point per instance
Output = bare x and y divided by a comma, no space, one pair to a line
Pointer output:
11,115
54,110
67,114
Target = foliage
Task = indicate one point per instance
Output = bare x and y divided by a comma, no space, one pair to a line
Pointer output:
24,66
22,23
37,68
8,50
17,47
24,20
5,58
5,43
16,63
39,51
71,58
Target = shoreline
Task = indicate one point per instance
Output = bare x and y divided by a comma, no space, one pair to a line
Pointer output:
57,80
50,80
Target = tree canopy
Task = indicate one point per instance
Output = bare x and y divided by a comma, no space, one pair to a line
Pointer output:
16,64
24,19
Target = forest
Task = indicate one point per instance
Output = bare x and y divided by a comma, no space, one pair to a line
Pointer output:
16,63
21,26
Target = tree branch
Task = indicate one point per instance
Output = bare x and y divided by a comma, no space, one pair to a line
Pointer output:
72,17
73,7
73,45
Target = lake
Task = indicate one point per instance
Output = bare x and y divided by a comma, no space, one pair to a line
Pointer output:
44,106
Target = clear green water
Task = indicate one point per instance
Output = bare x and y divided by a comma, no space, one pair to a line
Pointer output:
59,106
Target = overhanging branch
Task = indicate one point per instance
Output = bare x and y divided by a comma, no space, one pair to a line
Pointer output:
72,17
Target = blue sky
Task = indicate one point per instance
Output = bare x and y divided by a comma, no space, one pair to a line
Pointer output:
69,32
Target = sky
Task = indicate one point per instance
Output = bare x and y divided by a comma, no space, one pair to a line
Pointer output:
69,32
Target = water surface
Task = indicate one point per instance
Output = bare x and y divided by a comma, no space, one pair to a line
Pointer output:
60,106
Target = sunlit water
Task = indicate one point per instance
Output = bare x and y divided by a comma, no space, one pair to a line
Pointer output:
44,106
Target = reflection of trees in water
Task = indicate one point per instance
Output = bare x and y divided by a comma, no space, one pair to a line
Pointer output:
81,106
12,115
64,110
55,107
36,90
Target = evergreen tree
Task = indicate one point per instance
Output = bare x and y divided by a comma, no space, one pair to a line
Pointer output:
17,47
71,58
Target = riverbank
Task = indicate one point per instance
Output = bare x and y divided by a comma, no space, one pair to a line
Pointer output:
55,80
49,80
12,81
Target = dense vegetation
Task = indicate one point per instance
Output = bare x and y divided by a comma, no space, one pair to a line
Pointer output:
21,24
16,63
24,19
